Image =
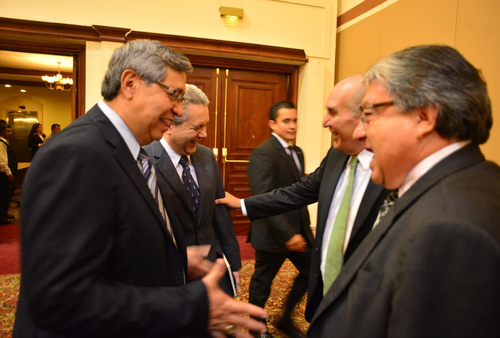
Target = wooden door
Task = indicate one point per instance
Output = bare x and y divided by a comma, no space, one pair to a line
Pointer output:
239,114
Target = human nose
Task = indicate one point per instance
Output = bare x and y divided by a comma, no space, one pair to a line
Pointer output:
359,132
177,108
203,133
326,121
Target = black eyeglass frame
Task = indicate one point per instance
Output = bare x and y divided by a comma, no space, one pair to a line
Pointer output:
362,109
175,94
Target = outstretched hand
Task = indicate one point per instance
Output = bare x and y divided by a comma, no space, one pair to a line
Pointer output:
231,201
225,313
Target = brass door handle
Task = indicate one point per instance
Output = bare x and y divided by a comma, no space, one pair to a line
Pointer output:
216,152
225,160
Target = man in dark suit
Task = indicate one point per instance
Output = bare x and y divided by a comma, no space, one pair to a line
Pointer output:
431,266
101,256
274,164
327,186
202,222
8,170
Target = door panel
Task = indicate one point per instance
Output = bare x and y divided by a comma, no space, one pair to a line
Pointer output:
239,114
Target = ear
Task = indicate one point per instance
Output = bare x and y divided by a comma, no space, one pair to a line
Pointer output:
427,117
271,124
129,81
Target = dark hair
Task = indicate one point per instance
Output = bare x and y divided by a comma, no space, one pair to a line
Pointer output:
52,127
3,126
34,127
438,76
149,59
273,111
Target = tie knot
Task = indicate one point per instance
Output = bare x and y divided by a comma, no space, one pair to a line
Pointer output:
354,161
393,196
143,155
184,162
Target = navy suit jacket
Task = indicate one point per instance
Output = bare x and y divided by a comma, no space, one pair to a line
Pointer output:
431,267
213,225
319,187
97,260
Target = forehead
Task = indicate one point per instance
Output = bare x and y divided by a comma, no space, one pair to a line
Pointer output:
287,113
375,92
175,79
196,112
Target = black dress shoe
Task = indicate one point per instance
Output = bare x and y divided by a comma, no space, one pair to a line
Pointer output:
289,329
261,335
4,222
10,217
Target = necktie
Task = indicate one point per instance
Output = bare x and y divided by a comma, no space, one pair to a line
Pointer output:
192,189
384,209
148,171
335,252
290,151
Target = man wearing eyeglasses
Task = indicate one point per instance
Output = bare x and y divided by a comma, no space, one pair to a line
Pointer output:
431,266
189,178
348,201
103,254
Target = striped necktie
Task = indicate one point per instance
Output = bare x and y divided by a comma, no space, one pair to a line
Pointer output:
335,252
384,209
192,189
148,171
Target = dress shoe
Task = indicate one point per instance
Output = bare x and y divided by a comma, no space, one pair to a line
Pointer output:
4,222
289,329
10,217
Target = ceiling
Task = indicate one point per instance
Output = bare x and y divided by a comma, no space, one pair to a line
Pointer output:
29,67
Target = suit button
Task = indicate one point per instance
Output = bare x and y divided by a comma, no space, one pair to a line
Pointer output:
198,231
317,249
178,280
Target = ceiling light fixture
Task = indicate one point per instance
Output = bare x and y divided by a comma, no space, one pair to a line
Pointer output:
57,82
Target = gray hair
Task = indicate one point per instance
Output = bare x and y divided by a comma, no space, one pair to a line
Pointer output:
194,96
438,76
149,59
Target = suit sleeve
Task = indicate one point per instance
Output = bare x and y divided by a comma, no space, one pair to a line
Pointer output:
223,224
281,200
262,172
446,283
70,234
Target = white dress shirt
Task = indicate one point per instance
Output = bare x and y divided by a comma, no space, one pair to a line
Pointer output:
175,158
361,179
4,159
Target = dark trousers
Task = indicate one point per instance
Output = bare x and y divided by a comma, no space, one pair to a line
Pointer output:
267,265
6,190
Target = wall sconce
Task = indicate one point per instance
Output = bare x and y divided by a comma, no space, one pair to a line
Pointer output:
231,15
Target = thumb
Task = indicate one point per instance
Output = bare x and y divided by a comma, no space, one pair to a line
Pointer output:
216,273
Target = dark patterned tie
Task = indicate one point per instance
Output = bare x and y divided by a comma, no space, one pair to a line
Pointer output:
148,171
290,152
192,189
384,209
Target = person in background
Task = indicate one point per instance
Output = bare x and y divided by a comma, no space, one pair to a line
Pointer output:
189,178
348,201
55,128
431,267
103,253
36,138
8,170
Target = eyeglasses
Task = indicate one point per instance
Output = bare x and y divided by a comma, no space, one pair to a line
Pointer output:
366,116
176,95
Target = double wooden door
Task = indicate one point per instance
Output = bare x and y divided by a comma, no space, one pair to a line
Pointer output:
239,112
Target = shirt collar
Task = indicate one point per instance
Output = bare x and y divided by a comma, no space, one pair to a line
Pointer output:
129,138
427,163
364,159
284,144
4,139
174,157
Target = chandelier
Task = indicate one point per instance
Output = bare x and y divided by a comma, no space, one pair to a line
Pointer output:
57,82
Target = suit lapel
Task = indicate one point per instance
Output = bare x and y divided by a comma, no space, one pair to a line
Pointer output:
371,195
285,157
122,155
457,161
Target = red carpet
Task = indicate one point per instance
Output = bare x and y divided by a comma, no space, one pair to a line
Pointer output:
9,249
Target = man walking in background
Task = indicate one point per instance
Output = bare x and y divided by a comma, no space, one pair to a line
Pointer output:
274,164
189,178
8,169
55,128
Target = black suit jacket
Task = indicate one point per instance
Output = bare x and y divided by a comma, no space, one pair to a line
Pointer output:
431,267
270,167
213,225
97,260
320,186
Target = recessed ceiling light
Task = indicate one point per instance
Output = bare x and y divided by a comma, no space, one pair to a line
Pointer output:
23,90
8,85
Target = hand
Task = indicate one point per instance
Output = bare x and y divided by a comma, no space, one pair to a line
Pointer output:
231,201
296,243
236,275
198,266
225,311
10,178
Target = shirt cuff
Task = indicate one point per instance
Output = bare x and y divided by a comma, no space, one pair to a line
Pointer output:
243,208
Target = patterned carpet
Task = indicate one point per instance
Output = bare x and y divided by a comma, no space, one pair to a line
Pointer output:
9,287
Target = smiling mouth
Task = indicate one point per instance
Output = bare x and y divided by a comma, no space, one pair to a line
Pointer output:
166,121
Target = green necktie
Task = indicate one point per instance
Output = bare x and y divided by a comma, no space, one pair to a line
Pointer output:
335,253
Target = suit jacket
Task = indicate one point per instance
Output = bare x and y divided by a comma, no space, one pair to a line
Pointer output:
97,260
431,267
319,187
213,225
33,141
271,167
